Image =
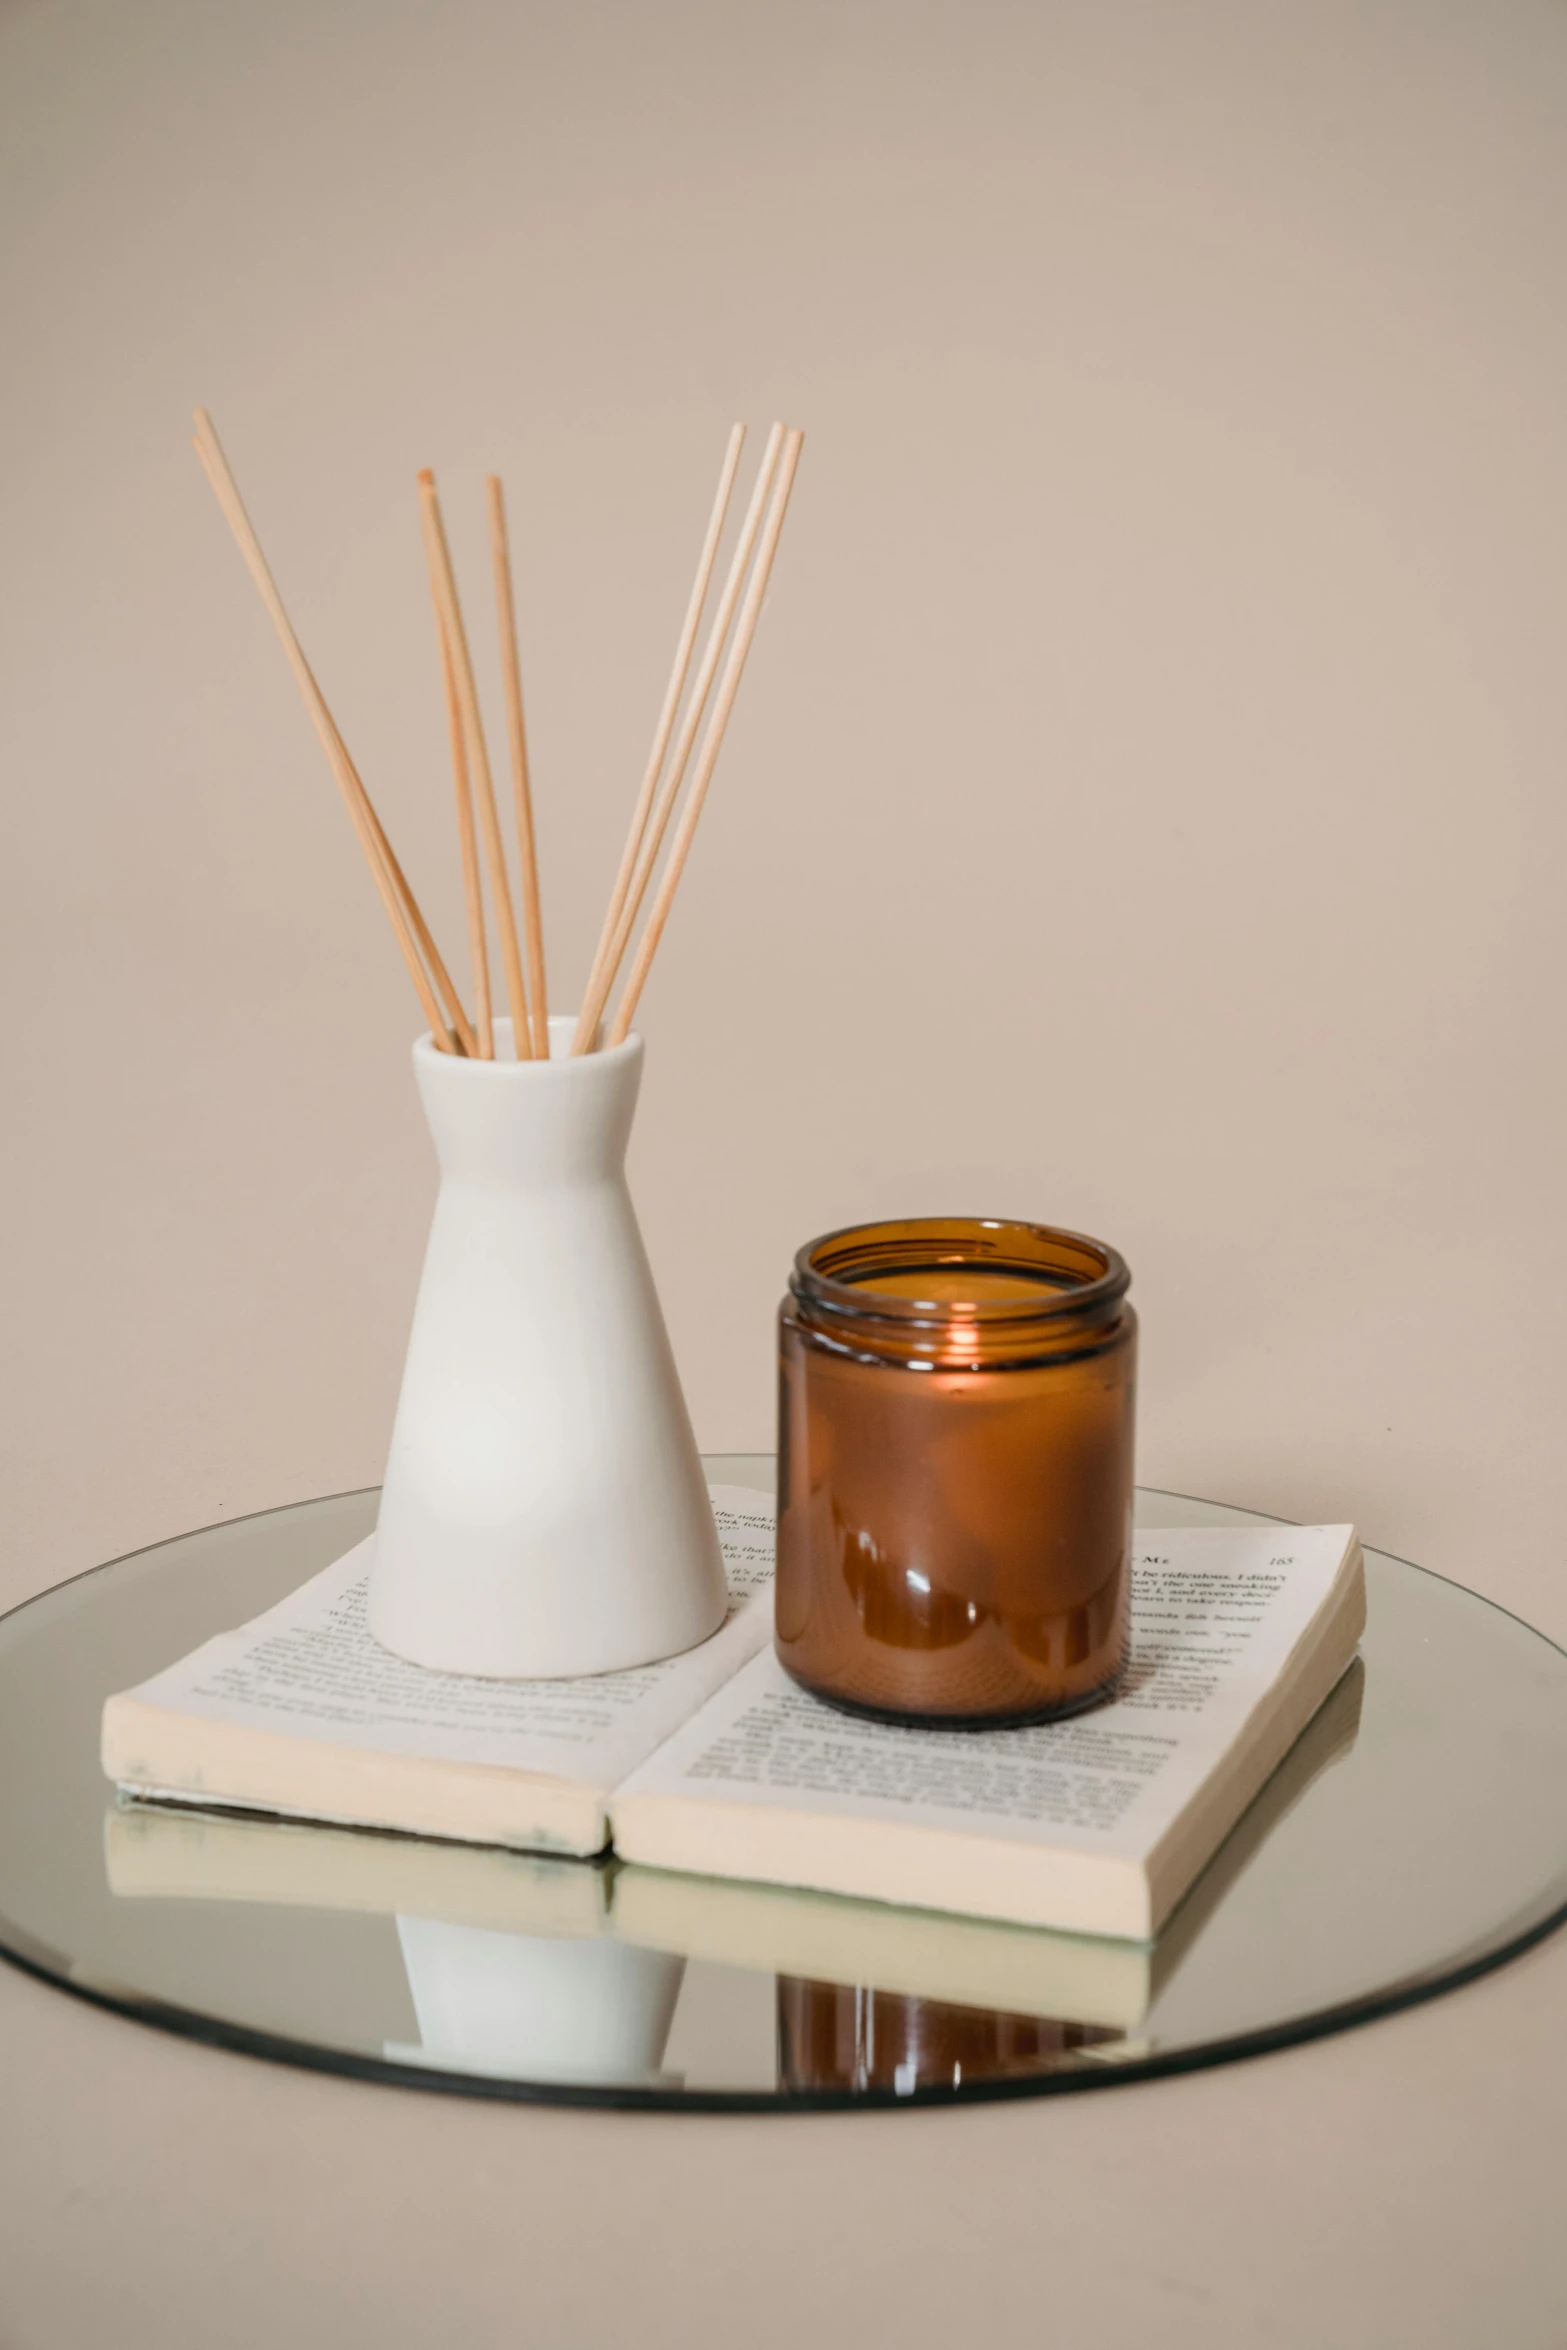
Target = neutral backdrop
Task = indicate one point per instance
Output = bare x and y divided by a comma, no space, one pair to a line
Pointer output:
1145,810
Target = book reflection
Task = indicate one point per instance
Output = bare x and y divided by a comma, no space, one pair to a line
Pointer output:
576,1972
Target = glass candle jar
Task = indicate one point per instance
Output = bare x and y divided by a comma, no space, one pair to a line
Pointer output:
955,1470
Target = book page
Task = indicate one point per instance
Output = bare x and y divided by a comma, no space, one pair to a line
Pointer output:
1216,1612
310,1669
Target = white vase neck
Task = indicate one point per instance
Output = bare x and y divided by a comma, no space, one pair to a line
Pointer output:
523,1124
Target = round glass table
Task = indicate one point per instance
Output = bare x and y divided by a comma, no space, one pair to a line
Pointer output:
1415,1836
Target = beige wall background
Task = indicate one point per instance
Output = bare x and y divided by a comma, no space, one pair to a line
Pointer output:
1145,810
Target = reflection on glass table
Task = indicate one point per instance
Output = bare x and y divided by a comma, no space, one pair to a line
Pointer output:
561,1971
1415,1835
534,2007
565,1972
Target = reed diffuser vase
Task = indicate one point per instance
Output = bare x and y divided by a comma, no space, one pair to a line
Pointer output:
544,1511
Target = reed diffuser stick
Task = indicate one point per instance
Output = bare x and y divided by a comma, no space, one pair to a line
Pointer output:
594,993
461,1026
444,583
609,963
511,672
408,924
712,742
468,846
674,741
367,824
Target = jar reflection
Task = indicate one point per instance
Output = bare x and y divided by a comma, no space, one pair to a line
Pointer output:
839,2036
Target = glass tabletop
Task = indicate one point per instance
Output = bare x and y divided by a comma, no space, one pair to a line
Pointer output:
1415,1836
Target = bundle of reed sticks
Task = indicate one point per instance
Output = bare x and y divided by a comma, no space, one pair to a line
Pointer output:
675,761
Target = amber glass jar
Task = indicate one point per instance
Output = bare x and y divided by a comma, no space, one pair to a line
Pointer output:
955,1470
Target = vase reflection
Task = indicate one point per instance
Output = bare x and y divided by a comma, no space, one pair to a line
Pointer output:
536,2006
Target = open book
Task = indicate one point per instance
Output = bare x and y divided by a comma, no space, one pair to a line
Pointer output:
716,1763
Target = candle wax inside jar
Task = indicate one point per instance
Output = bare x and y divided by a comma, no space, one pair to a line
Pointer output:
960,1285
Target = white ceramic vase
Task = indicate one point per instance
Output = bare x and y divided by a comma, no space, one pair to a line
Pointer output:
544,1510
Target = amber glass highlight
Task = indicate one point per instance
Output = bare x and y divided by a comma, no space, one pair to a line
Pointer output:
955,1470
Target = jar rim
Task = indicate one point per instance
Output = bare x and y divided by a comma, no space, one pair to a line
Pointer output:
1077,1276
